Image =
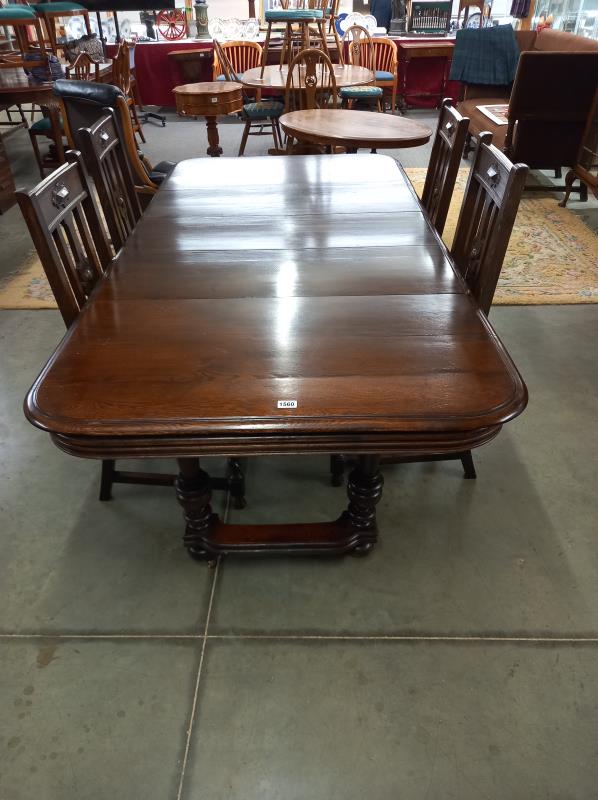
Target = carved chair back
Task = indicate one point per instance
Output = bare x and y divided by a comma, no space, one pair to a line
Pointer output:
361,49
108,165
121,68
84,68
303,4
444,163
489,208
64,221
310,82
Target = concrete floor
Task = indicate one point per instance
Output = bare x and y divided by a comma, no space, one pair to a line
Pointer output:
458,660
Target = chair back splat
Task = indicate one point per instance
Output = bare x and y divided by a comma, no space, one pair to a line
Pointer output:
310,82
107,163
64,221
490,204
443,169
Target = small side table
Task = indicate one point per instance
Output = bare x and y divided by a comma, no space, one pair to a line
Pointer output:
210,100
410,50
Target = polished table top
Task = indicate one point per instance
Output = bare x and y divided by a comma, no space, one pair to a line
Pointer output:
314,279
275,77
354,129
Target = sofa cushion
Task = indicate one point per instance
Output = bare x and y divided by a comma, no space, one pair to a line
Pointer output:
562,42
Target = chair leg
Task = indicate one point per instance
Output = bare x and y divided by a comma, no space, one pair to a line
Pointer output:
337,470
244,137
107,479
136,124
469,472
569,186
265,50
276,134
36,152
236,482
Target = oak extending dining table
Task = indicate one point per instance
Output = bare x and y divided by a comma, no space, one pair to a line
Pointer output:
279,306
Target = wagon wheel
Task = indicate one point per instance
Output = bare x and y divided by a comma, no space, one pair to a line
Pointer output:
172,24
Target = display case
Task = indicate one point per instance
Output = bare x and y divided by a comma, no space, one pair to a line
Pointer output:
431,17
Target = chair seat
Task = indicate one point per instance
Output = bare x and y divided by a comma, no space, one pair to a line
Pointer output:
294,14
352,92
57,8
43,125
382,75
15,12
265,109
238,76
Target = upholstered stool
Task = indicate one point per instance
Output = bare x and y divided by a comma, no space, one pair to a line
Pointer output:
49,12
303,17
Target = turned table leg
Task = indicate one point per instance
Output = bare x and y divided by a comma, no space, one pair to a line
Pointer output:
364,488
194,494
214,148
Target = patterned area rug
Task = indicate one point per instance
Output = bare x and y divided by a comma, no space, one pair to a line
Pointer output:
552,257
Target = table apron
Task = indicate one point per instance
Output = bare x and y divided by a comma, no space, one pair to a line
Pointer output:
403,444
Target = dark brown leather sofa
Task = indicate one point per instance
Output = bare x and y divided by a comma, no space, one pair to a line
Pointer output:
549,101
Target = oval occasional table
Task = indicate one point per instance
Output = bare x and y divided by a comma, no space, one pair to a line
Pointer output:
354,129
275,77
210,100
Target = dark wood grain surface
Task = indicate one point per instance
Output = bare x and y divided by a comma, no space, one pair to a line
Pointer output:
315,279
354,129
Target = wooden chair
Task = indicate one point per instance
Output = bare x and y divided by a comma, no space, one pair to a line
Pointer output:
83,104
121,77
241,55
22,20
64,221
258,115
310,82
108,166
83,68
331,14
464,7
488,212
306,13
586,166
50,12
361,54
385,66
65,224
444,163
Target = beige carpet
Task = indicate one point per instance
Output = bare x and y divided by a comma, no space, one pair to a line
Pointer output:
552,258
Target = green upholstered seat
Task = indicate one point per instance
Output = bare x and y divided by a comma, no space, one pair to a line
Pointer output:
382,75
356,92
43,125
15,12
266,109
294,14
57,8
